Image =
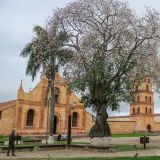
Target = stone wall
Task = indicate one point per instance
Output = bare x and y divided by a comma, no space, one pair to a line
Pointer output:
120,127
7,121
90,120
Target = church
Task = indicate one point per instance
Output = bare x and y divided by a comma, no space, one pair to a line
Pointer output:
29,113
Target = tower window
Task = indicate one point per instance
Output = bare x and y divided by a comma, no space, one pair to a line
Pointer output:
150,99
146,98
147,87
0,114
138,110
138,99
150,111
30,117
133,110
146,110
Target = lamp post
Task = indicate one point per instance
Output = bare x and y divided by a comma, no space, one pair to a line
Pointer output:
72,106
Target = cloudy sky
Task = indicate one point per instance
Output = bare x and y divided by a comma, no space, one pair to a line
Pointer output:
17,20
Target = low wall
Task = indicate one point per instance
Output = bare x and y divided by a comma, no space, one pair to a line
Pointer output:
120,127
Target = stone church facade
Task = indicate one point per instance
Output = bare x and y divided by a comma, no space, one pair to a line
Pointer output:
29,114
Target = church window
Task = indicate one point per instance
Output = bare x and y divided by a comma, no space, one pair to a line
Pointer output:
0,114
147,87
138,99
30,117
133,110
138,110
148,80
150,111
74,119
146,110
56,91
146,98
136,87
150,99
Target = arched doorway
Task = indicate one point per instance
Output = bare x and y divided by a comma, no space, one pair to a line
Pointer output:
55,124
149,128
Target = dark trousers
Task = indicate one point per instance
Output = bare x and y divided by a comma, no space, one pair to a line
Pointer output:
11,147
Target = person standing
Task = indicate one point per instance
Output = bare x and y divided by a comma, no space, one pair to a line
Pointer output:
11,145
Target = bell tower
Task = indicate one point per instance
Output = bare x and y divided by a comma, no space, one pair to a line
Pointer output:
143,103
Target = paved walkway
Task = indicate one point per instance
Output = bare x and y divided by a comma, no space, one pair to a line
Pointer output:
59,153
79,153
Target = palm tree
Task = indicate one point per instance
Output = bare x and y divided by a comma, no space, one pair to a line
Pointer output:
46,51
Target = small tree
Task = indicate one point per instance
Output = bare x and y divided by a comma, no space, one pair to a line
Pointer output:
112,47
46,51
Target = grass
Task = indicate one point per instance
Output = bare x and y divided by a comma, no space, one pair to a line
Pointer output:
95,158
125,147
131,135
118,147
5,138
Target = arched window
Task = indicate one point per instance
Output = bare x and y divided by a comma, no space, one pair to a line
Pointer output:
150,110
30,117
138,99
148,80
146,110
150,99
146,98
147,87
133,110
56,92
74,119
136,87
138,110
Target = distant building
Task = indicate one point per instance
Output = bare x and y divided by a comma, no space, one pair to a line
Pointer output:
142,117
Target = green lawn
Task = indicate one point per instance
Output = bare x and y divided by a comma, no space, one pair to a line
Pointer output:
96,158
132,135
125,147
5,138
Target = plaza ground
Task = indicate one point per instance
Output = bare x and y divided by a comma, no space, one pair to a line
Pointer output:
73,153
67,153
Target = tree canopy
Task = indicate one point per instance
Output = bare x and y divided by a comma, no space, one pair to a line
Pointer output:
112,48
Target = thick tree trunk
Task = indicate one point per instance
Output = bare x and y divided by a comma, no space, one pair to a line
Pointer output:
101,127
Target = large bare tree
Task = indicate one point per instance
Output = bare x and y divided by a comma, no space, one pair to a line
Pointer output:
112,47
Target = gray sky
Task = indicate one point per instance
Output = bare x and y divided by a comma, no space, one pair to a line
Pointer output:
17,20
